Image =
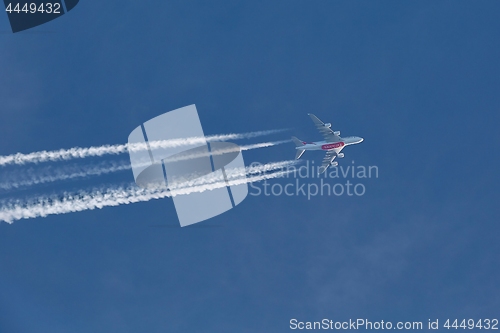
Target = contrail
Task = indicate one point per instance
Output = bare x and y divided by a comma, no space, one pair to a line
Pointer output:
69,203
75,172
226,150
179,185
77,152
35,177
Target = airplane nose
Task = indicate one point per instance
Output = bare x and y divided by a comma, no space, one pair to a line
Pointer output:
361,140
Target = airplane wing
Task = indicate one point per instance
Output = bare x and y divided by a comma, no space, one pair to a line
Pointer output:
327,161
325,131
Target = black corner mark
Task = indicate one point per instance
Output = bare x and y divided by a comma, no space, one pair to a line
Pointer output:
70,4
26,14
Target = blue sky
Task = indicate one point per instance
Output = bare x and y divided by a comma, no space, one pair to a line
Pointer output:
419,81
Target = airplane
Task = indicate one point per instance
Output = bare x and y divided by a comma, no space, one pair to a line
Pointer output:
333,144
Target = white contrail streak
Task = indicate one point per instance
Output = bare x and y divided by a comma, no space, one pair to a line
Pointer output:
69,203
233,149
77,152
35,177
231,174
32,177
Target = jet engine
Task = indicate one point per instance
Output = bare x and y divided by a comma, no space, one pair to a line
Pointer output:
334,164
340,155
337,133
328,125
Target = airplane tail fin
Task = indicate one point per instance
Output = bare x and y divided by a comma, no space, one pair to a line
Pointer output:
298,143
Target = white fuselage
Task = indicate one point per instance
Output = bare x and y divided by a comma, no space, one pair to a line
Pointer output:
336,146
